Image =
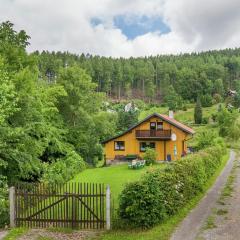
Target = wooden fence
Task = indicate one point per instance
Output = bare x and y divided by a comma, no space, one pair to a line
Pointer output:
75,205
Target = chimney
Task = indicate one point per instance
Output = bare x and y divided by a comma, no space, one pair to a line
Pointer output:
170,114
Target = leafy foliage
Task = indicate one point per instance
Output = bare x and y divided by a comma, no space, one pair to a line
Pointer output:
151,78
44,122
150,156
206,139
173,100
64,169
229,124
198,112
127,119
4,205
161,193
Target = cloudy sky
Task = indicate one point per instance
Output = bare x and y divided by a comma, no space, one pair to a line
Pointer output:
126,27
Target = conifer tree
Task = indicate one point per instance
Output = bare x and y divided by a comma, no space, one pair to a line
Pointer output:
198,112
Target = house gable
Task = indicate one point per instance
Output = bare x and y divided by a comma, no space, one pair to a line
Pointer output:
155,116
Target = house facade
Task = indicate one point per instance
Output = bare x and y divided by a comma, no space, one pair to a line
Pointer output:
161,132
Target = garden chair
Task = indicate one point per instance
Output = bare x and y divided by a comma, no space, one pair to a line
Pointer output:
142,163
138,165
132,164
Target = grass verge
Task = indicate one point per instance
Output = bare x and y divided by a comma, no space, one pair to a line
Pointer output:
44,238
15,233
164,230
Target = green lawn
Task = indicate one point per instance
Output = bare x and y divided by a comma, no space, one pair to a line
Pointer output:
187,117
116,176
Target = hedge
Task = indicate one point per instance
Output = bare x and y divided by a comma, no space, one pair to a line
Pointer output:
163,192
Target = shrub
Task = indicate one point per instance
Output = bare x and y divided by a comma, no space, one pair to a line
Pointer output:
143,204
205,139
64,169
229,124
4,204
217,98
150,156
161,193
214,117
184,108
204,120
206,100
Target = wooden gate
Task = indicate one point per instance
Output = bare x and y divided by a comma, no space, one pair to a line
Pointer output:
75,205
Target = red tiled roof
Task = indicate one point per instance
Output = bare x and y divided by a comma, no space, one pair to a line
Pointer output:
163,117
176,123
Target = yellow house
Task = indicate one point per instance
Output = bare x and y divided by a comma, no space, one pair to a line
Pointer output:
161,132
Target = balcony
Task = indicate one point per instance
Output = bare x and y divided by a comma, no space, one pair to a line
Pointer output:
153,134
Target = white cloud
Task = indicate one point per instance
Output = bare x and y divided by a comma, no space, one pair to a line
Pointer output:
65,25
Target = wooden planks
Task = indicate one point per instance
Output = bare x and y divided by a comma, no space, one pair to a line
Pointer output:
76,205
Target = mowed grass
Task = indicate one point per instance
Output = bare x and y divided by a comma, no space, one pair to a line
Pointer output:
116,176
187,117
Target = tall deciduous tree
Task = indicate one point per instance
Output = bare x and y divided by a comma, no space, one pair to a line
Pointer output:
78,109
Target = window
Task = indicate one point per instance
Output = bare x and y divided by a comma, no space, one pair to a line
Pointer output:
159,125
145,145
119,145
152,125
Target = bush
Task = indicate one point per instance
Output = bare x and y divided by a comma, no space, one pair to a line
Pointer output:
184,108
229,124
150,156
64,169
162,193
206,100
205,139
217,98
204,120
4,204
143,204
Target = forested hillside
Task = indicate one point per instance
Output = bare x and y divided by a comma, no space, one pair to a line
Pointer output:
56,110
184,77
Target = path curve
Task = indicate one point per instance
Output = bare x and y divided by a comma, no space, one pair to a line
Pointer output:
192,223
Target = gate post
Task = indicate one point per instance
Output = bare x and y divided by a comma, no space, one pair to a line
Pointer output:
12,206
108,223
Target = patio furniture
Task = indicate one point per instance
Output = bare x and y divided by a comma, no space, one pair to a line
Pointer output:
136,164
131,156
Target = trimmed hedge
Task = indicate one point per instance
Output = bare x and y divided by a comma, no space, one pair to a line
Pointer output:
161,193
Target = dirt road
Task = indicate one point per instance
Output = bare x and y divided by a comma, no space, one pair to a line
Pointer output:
190,227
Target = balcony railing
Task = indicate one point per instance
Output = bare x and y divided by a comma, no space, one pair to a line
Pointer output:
153,134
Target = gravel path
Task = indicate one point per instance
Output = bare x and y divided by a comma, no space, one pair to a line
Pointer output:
191,225
3,234
226,225
35,234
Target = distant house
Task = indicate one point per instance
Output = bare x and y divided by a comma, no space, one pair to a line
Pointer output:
161,132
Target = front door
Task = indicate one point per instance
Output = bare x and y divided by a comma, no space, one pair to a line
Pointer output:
152,129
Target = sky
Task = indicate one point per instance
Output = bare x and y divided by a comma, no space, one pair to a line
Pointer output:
125,28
